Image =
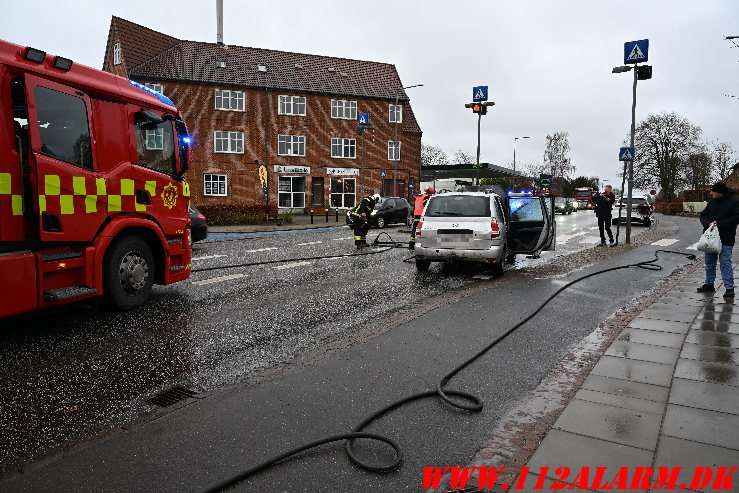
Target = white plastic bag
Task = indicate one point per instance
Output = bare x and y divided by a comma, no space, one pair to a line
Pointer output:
710,242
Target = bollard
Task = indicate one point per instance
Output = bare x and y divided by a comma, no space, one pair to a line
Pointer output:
326,214
311,216
337,215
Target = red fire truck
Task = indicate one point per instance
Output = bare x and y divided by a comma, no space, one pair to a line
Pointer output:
92,196
584,197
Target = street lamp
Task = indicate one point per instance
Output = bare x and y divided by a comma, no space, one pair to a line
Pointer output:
395,137
514,150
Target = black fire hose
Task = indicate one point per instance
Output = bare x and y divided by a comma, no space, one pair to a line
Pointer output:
474,403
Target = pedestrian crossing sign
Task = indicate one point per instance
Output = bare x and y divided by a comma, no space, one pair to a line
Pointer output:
363,119
480,93
636,51
626,154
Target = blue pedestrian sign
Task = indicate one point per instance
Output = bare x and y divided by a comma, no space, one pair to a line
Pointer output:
626,154
383,173
363,119
636,51
480,93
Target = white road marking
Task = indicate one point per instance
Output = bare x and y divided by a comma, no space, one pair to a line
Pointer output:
694,246
260,250
665,242
590,241
310,243
484,277
206,257
218,279
345,238
291,265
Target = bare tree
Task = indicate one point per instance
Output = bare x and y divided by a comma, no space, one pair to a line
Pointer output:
556,155
663,144
698,170
461,157
433,156
722,154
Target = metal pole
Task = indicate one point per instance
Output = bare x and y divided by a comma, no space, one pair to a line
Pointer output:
395,138
514,153
362,192
620,209
479,117
631,163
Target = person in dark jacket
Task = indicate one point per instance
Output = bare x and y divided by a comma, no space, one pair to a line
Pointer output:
361,216
721,212
603,203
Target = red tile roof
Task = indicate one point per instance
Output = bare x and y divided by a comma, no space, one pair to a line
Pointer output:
152,55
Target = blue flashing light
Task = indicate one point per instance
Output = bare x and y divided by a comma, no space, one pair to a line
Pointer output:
161,97
187,140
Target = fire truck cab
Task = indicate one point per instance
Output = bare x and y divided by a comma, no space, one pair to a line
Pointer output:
92,196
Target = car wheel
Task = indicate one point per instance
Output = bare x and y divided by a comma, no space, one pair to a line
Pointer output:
647,222
409,221
423,265
510,258
129,272
380,222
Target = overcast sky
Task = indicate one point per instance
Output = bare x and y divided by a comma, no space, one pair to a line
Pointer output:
547,62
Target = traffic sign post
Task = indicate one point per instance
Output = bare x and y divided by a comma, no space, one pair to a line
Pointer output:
480,106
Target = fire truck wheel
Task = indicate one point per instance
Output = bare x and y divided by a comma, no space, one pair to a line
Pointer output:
129,272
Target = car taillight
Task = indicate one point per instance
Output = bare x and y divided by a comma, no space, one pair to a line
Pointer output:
418,228
495,229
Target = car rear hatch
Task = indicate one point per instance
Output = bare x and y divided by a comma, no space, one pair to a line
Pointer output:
471,233
458,222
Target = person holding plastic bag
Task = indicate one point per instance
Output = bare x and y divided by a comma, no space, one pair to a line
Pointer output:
721,212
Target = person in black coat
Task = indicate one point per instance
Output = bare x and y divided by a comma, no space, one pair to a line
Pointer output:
721,212
603,203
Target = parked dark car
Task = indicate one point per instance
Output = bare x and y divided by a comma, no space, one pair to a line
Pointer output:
198,226
390,210
564,205
641,211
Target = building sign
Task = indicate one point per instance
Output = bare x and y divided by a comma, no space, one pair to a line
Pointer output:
343,171
305,170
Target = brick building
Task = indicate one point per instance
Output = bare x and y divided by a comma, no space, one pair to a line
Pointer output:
296,114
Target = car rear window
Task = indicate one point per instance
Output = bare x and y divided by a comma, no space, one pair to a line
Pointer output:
458,206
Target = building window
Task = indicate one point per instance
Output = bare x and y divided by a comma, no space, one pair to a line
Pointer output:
343,148
155,140
343,109
155,87
291,191
393,150
292,105
117,54
232,142
291,145
215,185
343,192
396,113
229,100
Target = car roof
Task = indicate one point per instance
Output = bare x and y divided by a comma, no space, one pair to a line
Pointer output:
471,194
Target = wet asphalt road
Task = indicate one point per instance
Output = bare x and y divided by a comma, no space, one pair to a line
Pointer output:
76,371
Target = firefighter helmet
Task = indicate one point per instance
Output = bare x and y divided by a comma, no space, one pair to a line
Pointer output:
429,190
377,198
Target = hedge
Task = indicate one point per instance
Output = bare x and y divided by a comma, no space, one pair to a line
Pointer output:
228,215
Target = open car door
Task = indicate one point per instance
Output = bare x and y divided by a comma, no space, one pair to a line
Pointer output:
531,225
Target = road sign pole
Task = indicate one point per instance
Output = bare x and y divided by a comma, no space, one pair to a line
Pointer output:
631,162
362,193
479,117
620,209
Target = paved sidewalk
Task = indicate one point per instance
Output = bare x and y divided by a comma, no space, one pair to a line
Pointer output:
665,393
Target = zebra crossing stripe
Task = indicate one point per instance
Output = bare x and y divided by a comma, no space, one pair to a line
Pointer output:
665,242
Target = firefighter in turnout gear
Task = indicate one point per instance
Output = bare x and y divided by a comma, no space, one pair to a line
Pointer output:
361,216
420,203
